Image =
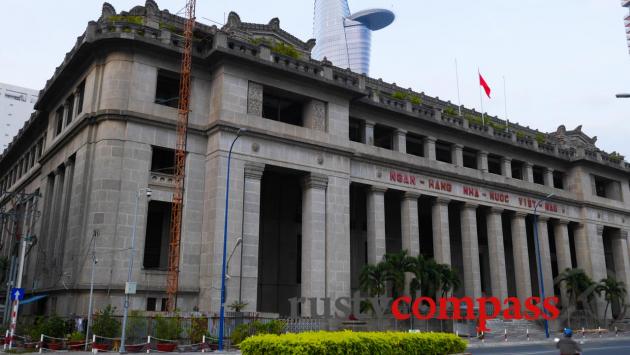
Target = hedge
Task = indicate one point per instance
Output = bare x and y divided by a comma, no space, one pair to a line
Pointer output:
354,343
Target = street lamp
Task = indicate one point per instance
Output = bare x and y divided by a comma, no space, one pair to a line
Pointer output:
129,286
225,234
541,284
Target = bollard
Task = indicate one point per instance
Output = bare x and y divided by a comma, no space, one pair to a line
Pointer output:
599,332
148,344
6,340
483,337
457,333
94,350
616,331
505,334
527,331
203,344
41,342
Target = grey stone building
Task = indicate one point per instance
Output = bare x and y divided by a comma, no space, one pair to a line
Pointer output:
335,169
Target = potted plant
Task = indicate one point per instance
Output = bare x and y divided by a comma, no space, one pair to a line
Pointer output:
136,326
76,341
54,328
167,331
105,325
237,307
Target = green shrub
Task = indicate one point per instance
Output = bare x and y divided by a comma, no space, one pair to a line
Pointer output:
198,328
105,324
352,343
54,326
520,135
450,111
246,330
76,336
540,138
400,95
474,119
167,327
286,49
136,325
137,20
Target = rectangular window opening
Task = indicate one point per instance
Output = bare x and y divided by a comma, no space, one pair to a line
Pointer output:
383,136
283,106
58,121
81,93
163,160
494,164
607,188
443,151
151,302
356,130
558,180
470,158
157,235
70,109
167,88
415,144
539,175
517,169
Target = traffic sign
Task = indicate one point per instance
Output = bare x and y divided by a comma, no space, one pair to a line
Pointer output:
17,294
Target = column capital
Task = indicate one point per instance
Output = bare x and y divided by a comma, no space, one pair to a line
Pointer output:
411,195
377,189
600,229
458,146
315,181
369,124
506,159
495,210
69,162
548,170
58,170
430,139
400,131
562,222
543,218
441,201
528,165
519,214
254,170
483,153
470,206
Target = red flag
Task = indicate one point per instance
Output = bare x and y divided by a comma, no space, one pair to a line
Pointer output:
485,86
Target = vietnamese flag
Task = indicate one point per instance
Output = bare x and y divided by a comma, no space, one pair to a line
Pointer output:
485,86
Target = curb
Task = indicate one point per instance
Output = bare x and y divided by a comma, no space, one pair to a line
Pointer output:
540,342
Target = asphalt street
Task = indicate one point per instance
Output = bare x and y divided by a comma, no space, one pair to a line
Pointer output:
590,347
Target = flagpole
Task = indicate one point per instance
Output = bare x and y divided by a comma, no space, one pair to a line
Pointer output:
459,101
483,120
507,126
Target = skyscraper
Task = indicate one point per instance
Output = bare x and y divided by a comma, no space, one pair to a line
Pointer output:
16,106
344,39
626,20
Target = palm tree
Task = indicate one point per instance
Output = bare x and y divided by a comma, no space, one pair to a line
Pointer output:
396,266
613,291
373,278
449,279
577,283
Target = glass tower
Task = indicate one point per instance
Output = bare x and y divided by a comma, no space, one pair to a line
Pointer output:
344,39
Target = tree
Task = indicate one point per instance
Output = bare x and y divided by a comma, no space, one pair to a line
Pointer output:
431,278
449,279
373,280
579,288
613,290
396,266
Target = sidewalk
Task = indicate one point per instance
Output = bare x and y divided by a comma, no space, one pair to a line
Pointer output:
496,343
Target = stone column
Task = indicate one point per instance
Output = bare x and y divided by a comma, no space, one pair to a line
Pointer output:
368,132
64,202
457,154
429,148
528,172
563,254
251,234
506,166
400,141
254,99
470,250
75,104
315,115
410,224
375,224
548,177
482,161
621,258
521,256
589,248
545,255
313,238
441,236
496,252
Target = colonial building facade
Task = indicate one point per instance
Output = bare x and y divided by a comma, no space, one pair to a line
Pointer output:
334,170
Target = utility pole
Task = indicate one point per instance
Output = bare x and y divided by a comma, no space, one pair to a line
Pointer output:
94,261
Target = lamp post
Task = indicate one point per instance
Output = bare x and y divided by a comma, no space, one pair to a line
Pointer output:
225,234
541,284
91,301
129,287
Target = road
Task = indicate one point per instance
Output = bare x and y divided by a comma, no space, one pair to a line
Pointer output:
590,347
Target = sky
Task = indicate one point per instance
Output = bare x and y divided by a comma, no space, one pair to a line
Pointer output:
563,60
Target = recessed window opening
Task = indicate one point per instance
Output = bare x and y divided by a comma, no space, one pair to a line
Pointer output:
58,120
517,169
157,236
607,188
356,130
470,158
167,88
415,144
163,160
383,136
558,179
539,175
283,106
494,164
70,109
443,151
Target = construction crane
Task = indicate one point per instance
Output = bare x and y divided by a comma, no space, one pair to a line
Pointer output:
172,278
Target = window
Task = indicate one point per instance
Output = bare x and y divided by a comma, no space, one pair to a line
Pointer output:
157,237
470,158
539,175
443,151
59,121
167,88
15,95
604,187
494,164
415,144
151,301
163,160
517,169
164,303
383,136
70,109
356,130
81,93
558,179
283,106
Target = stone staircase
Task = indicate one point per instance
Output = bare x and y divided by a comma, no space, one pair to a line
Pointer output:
516,328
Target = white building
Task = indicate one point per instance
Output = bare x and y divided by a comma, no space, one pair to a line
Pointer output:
16,106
